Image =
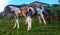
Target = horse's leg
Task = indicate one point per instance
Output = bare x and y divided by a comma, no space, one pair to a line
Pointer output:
42,16
39,19
14,26
29,21
26,20
17,21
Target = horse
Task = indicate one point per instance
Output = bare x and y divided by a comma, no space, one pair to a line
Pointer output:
14,10
27,12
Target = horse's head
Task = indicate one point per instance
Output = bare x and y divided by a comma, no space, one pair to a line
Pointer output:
6,10
47,13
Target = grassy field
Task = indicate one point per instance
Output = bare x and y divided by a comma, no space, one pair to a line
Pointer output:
52,28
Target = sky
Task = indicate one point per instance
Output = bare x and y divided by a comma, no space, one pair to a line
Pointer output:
3,3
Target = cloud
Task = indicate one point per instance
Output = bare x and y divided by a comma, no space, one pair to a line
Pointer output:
3,3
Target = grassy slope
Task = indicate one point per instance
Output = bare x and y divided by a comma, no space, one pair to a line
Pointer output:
37,29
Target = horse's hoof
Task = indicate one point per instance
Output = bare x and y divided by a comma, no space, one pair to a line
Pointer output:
18,29
28,30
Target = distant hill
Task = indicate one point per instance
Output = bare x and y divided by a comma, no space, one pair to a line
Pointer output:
33,3
39,3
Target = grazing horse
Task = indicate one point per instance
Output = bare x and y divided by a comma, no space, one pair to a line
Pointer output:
14,11
27,12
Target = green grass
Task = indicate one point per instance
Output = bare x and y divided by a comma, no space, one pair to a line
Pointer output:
6,28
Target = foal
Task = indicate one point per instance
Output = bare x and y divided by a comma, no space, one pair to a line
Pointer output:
14,11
